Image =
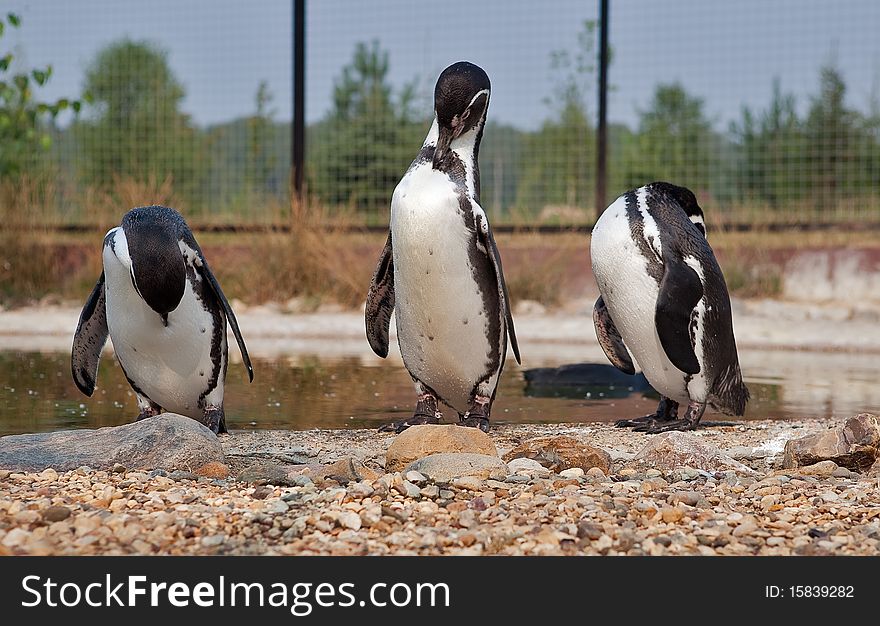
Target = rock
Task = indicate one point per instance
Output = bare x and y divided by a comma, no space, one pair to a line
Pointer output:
473,483
415,477
572,472
214,469
855,446
347,470
822,468
674,449
589,530
529,467
278,507
212,541
417,442
443,468
350,520
263,472
431,491
561,453
168,441
410,490
56,513
671,514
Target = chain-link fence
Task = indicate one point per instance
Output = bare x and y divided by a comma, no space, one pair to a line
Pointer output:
769,110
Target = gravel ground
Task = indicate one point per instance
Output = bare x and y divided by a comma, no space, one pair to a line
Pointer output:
805,511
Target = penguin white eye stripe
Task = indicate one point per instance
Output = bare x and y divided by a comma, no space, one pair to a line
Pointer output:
479,93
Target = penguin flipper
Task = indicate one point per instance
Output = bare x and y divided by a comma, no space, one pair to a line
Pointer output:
680,291
89,339
208,275
610,339
380,301
488,240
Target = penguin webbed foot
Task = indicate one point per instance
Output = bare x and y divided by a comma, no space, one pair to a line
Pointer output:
690,421
654,427
478,415
146,413
475,421
215,419
415,420
667,411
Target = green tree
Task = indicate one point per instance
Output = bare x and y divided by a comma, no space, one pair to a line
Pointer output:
831,131
359,152
25,121
261,159
135,128
771,151
559,169
676,141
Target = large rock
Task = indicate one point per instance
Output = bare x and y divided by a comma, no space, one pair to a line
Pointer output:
855,446
417,442
667,451
168,441
561,453
445,467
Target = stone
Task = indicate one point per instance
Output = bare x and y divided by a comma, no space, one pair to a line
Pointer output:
855,445
168,441
350,520
347,470
264,471
671,514
529,467
214,469
444,468
410,490
473,483
56,513
822,469
417,442
560,453
278,507
572,472
668,451
415,477
431,491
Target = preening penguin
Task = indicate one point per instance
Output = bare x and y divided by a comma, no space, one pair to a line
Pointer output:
440,270
663,296
164,310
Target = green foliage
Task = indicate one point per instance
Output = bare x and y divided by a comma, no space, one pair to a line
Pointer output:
135,128
358,153
676,141
25,121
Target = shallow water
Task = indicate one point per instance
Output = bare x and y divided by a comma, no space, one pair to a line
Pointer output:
305,391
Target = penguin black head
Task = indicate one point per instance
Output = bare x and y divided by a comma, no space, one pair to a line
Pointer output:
461,98
686,200
158,271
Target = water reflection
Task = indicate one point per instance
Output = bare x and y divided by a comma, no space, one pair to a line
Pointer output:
300,392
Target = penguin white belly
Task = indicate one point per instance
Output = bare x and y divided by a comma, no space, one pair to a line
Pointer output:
171,364
630,295
442,326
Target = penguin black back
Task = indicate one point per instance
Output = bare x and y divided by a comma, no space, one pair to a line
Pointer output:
158,269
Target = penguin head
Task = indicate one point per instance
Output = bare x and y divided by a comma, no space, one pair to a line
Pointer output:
687,201
158,272
461,98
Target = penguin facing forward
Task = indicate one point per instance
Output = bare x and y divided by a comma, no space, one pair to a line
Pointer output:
663,296
440,270
164,310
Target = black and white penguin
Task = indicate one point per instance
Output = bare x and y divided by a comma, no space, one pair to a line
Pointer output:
663,296
442,276
166,315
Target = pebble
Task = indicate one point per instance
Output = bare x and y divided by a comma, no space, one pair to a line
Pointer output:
648,512
56,513
416,477
572,472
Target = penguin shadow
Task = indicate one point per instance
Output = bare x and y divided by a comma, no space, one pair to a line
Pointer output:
592,381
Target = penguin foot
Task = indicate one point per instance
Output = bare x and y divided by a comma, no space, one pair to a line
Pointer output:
215,419
476,421
662,427
667,411
415,420
636,422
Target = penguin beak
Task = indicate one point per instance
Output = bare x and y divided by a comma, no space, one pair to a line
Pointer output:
444,140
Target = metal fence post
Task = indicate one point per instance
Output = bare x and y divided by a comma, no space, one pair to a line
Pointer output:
298,123
602,129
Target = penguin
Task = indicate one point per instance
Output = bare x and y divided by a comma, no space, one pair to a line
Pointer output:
440,271
166,314
663,296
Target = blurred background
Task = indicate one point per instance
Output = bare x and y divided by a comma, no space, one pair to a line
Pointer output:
769,111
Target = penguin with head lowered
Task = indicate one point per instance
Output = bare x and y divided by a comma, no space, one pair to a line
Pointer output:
166,315
440,270
663,296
